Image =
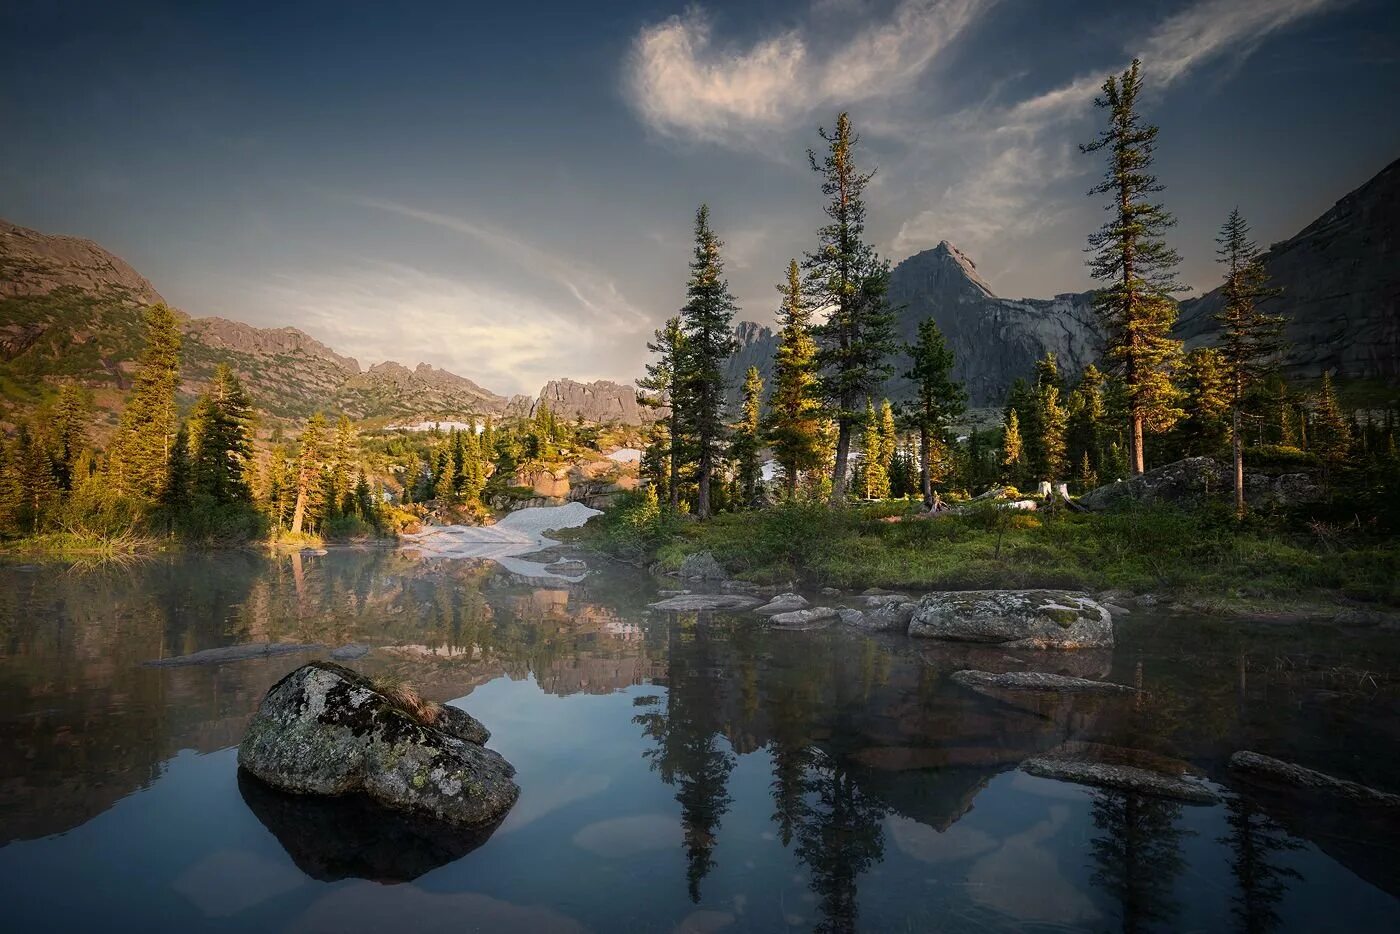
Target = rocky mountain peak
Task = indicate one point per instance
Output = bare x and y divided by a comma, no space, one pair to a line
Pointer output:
34,263
949,271
600,401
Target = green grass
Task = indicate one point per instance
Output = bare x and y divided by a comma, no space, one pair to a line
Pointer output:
1203,554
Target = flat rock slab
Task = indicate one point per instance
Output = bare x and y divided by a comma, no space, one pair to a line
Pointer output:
234,653
327,730
1298,776
349,652
817,617
695,602
1037,681
783,603
1119,777
1032,619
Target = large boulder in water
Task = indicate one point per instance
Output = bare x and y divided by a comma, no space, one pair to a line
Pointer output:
327,730
1035,619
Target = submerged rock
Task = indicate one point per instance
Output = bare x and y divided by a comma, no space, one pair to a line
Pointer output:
1298,776
702,566
851,617
783,603
1042,619
234,653
1036,681
350,651
814,618
889,617
695,602
327,730
1121,777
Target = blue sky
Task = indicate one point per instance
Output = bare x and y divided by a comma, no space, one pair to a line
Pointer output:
506,190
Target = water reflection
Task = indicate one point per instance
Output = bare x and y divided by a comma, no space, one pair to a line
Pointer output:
700,762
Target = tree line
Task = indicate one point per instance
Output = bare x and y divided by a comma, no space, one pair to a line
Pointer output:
836,341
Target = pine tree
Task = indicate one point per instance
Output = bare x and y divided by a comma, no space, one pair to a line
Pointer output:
887,434
874,469
220,440
1207,401
1054,428
340,466
845,276
1011,444
308,477
1250,340
179,483
69,427
708,320
1086,416
748,439
665,390
1136,307
938,398
30,487
140,455
795,427
1331,435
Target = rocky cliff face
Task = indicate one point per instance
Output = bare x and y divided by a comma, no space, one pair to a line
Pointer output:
34,263
1340,282
600,401
994,340
391,388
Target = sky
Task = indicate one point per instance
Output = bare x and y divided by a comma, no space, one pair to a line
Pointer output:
507,190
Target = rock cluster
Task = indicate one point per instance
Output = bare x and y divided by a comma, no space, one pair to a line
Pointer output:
1040,619
1197,479
327,730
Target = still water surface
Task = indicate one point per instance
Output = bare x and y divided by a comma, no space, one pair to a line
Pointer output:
677,773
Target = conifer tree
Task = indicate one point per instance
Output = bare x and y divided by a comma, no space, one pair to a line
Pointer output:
874,474
1135,306
846,277
795,420
1250,339
887,434
140,454
29,491
1086,415
748,439
308,477
938,398
180,481
1054,426
1208,401
708,320
1011,443
220,440
1330,435
70,424
665,390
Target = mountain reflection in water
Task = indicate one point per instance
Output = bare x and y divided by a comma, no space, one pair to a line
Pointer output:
676,769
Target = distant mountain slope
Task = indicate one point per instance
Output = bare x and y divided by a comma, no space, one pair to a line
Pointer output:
994,340
1340,281
70,310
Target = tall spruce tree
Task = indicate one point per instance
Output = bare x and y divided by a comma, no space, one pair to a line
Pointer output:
665,390
1011,444
795,413
1135,306
1330,437
708,320
938,398
1250,339
71,413
140,455
221,440
848,279
308,476
748,439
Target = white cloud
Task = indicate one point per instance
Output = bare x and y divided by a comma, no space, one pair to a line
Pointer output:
1016,154
684,84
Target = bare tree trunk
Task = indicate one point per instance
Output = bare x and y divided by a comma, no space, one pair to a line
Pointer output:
299,512
1237,443
925,472
702,496
843,454
1135,443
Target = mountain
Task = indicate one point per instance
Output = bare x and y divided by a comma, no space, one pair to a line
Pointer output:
994,340
71,310
1340,288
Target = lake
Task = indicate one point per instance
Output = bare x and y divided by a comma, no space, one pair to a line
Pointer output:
678,772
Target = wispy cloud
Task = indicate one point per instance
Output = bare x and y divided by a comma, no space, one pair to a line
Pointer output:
684,83
1022,150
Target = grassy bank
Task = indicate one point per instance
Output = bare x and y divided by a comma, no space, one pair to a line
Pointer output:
1197,553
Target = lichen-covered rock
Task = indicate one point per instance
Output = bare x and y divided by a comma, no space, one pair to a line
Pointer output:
814,618
1196,479
874,600
1040,619
1036,681
696,602
1120,777
783,603
889,617
702,566
1297,776
324,729
851,617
